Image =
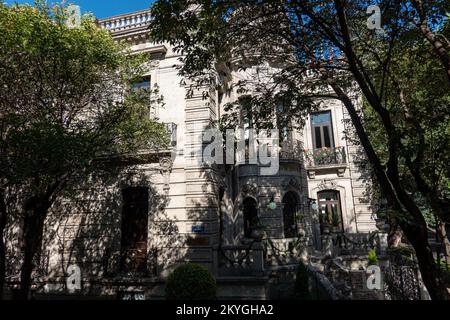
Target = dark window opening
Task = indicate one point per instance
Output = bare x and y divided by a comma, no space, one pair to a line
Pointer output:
330,212
250,216
134,229
290,205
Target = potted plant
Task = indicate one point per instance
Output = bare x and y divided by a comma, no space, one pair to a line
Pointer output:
372,257
258,232
326,225
336,223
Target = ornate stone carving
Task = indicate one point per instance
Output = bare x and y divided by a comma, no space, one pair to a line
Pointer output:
291,183
327,184
311,174
341,172
166,165
154,64
250,190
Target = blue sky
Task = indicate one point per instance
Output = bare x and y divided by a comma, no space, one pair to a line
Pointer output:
101,8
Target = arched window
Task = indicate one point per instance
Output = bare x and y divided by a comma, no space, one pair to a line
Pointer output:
250,215
330,212
134,229
290,204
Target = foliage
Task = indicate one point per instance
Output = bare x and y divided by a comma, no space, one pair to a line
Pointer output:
404,251
297,54
372,257
191,282
64,96
302,283
65,103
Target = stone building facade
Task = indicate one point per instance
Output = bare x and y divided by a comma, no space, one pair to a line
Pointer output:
127,231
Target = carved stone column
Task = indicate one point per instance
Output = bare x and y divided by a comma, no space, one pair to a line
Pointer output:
166,165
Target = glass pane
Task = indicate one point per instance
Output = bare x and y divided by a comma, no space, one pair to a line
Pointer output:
328,195
318,138
321,118
142,85
326,135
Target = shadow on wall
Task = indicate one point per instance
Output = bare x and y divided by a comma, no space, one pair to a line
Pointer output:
92,227
371,195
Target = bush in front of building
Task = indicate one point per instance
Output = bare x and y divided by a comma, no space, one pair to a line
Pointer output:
191,282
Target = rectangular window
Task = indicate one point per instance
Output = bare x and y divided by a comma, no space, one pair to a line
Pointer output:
134,229
322,130
144,84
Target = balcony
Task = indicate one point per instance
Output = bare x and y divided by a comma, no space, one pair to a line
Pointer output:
289,150
326,159
133,28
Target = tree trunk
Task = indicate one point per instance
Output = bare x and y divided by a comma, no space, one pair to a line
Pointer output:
3,221
445,243
395,234
36,212
414,227
437,44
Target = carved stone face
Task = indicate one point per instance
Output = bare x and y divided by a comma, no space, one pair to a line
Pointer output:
250,190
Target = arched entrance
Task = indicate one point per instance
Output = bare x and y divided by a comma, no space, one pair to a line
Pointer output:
290,205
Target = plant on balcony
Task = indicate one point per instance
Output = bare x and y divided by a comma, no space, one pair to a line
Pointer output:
372,257
324,156
191,282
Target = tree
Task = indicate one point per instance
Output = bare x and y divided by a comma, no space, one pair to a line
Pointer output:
418,101
65,102
332,40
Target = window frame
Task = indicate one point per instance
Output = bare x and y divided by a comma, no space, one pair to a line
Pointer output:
328,126
337,202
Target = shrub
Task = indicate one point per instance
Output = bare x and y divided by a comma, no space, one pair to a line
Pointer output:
372,257
191,282
302,283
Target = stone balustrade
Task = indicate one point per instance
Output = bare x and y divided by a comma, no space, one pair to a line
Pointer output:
240,260
126,22
354,243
